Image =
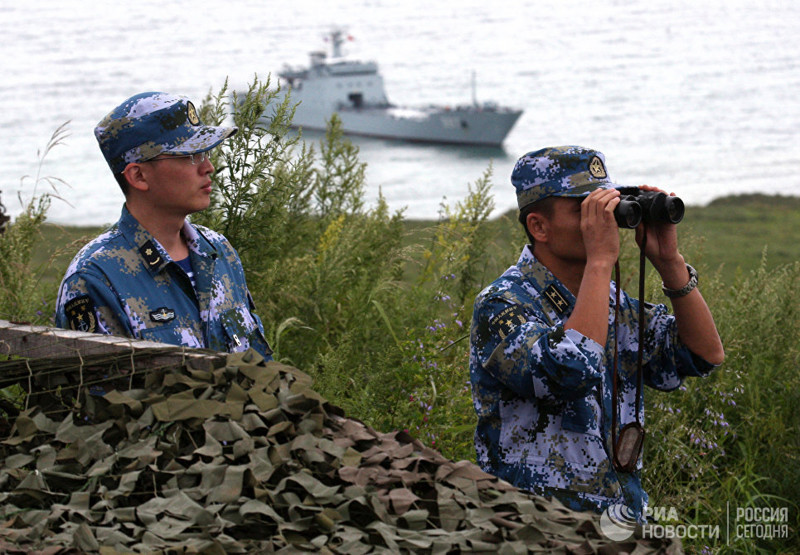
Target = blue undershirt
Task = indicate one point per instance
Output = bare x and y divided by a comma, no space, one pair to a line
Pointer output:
186,264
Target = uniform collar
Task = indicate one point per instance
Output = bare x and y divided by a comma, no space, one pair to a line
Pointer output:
559,297
197,242
153,255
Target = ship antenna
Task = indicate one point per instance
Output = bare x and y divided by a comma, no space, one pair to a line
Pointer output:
474,95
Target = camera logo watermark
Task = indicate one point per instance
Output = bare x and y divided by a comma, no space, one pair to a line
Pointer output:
618,523
663,522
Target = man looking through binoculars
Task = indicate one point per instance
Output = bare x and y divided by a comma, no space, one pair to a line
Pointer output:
557,356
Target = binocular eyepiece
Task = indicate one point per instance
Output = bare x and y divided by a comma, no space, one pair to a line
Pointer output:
651,207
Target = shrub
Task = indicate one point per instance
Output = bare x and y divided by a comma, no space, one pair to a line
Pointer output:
732,440
24,296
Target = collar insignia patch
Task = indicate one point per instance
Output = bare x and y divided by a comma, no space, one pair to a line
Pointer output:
192,114
150,254
507,320
596,168
80,314
556,298
162,315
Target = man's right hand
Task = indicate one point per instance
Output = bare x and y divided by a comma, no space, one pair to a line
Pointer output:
599,228
601,240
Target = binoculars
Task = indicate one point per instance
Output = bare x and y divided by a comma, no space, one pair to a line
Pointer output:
651,207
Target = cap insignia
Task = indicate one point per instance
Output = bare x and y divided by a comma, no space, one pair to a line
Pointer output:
596,168
192,113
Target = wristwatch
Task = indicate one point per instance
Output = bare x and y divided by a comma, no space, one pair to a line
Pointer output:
686,289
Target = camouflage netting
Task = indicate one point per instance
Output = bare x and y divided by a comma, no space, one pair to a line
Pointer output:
241,457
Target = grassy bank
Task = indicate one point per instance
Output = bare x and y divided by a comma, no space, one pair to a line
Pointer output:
734,232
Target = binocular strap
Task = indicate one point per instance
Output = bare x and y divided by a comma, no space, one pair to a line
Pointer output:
627,446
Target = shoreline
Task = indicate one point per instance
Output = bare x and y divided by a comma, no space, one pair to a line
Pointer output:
729,235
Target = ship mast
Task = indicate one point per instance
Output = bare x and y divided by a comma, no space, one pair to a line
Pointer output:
337,39
474,95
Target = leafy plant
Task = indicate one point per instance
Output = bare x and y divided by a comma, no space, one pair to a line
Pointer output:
23,296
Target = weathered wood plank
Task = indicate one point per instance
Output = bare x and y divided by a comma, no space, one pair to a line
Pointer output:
29,341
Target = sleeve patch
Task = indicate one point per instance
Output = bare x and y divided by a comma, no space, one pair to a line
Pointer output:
80,314
507,320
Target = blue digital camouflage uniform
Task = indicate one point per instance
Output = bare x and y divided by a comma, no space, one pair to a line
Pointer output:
543,394
124,283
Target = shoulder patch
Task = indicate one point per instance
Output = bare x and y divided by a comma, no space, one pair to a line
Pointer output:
556,298
507,320
80,314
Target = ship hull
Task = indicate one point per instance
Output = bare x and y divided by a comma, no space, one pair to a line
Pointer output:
461,126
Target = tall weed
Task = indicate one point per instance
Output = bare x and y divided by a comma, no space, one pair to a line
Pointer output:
316,258
23,297
733,439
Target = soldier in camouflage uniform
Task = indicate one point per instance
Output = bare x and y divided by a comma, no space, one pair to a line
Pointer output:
153,275
542,338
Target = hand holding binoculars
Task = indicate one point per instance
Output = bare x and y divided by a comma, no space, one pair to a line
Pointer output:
651,207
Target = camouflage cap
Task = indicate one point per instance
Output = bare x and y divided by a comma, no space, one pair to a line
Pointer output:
152,123
562,171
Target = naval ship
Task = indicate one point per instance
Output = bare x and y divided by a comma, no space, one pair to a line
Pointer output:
354,89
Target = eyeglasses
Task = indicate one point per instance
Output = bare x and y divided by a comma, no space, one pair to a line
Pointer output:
196,159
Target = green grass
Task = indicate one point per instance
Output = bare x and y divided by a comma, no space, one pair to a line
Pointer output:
734,232
56,248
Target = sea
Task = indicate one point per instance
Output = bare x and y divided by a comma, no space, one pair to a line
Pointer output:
701,98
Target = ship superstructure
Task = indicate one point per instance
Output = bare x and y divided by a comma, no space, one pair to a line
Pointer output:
355,90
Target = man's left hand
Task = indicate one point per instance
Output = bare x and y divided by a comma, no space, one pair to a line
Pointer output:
662,240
